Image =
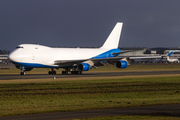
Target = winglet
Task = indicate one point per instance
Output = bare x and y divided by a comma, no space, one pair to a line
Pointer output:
113,40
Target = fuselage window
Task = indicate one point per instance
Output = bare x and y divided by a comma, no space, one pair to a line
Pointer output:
19,47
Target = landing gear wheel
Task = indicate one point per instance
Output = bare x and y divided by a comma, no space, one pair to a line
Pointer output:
23,73
65,72
52,72
79,72
72,71
76,72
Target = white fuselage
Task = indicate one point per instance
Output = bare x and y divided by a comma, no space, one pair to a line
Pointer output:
38,54
172,60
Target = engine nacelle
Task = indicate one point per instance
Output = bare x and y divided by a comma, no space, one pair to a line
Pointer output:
122,64
84,67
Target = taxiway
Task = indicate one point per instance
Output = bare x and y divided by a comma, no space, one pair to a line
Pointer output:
88,74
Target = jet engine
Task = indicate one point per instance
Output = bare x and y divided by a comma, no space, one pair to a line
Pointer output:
122,64
84,67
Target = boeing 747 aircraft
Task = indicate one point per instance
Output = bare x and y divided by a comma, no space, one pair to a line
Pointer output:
73,60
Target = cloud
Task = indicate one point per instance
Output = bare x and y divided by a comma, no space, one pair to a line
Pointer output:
88,23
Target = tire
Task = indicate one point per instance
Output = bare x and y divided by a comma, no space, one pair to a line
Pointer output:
50,73
79,72
23,73
54,72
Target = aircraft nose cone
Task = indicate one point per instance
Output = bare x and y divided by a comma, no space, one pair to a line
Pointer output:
11,57
14,57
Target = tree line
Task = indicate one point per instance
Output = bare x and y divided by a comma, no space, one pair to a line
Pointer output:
4,52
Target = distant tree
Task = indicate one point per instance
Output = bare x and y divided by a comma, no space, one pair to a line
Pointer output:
4,52
1,52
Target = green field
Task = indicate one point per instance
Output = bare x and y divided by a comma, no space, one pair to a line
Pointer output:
53,96
19,97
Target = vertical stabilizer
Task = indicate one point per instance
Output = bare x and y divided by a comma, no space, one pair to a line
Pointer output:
169,55
113,39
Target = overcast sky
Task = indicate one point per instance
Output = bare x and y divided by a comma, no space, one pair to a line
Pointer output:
146,23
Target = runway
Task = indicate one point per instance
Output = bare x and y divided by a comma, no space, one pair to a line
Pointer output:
88,74
159,110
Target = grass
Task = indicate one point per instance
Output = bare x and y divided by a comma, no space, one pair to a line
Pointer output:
52,96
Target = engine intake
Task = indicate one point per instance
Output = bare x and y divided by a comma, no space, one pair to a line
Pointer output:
84,67
122,64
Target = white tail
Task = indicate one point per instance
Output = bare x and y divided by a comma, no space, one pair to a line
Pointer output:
113,39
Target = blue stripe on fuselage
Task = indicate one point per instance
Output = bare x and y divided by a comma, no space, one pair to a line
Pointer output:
33,65
108,54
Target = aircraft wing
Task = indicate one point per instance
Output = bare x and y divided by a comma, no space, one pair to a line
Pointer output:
69,62
124,52
96,60
126,58
144,57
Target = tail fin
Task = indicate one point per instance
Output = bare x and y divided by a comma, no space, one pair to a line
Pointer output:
170,54
113,40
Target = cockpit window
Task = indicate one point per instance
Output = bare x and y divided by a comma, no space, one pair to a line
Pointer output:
19,47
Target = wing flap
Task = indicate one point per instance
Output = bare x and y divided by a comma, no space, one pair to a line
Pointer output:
96,61
64,62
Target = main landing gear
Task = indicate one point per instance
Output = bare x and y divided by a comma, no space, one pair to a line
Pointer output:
71,71
52,72
67,71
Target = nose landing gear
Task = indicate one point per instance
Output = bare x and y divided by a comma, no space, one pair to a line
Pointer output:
22,71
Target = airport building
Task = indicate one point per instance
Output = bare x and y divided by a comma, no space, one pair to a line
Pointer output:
3,57
152,52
